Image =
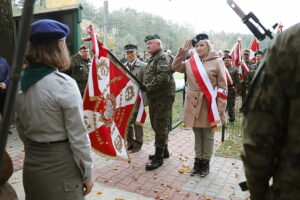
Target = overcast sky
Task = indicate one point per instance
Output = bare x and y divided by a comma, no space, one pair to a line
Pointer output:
216,15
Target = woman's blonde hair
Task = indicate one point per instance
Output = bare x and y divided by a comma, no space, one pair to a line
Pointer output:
54,54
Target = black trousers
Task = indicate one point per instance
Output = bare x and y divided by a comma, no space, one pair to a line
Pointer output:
2,102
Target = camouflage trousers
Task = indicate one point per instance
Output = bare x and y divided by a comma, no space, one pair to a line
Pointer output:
243,90
160,111
204,142
135,133
230,106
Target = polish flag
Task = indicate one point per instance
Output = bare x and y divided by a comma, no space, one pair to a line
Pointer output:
236,53
254,47
279,29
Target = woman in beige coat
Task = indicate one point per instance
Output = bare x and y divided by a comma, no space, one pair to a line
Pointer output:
196,106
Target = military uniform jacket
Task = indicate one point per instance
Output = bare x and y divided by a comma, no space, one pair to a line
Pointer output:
196,105
138,69
252,71
272,122
249,64
234,74
79,70
51,110
158,77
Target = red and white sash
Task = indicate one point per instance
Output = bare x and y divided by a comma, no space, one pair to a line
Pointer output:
208,90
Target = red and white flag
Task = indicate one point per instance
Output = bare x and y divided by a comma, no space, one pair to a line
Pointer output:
228,77
280,28
109,100
236,53
254,47
244,67
236,57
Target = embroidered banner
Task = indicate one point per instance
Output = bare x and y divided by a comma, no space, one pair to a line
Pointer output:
109,102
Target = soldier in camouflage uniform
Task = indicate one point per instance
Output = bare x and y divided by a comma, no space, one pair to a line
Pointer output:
160,86
234,74
271,127
80,66
258,56
135,131
244,82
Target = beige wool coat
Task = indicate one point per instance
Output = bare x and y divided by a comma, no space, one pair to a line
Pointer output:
195,112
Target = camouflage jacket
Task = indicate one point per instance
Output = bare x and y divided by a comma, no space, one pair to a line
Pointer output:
272,122
252,71
234,74
249,64
79,70
158,76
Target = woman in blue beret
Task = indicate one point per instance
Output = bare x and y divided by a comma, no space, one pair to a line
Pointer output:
204,70
49,120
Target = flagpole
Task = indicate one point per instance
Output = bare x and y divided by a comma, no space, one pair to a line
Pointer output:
125,68
105,21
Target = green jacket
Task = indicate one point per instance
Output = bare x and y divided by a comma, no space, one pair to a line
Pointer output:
79,70
158,76
272,122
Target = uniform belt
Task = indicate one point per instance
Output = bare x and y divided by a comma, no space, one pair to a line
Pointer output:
52,142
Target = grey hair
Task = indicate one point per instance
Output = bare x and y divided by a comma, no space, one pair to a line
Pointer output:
159,41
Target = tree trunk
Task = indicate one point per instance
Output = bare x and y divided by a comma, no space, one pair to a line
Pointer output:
7,42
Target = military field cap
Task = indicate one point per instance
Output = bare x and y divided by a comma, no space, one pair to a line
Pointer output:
201,36
246,51
226,51
258,53
151,37
226,57
130,47
47,31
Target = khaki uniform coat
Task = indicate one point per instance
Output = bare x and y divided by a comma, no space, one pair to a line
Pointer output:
196,106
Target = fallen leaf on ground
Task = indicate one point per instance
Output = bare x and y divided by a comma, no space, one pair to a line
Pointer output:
99,192
14,182
185,165
181,170
208,198
237,175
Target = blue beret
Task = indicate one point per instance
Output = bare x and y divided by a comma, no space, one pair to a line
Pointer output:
201,36
47,31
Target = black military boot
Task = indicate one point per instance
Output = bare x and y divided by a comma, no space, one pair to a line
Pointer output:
166,153
196,168
158,159
204,167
